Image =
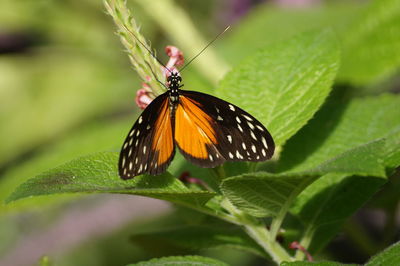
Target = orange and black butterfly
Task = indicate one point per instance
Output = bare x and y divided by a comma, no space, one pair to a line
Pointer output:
207,130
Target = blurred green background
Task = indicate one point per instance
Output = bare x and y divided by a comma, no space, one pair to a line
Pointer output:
67,89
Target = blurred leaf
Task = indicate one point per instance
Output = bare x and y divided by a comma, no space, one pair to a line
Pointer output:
284,84
181,260
259,27
98,173
325,204
371,45
45,261
389,256
315,263
342,125
264,194
205,237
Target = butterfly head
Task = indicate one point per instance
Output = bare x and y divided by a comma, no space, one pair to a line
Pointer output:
174,81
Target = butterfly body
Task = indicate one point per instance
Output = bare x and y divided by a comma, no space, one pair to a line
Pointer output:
207,130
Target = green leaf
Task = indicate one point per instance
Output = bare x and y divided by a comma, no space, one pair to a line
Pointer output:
264,194
98,173
315,263
325,204
284,84
205,237
364,160
181,260
389,256
340,126
371,44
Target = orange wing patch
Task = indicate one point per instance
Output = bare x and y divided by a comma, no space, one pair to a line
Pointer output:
193,129
162,139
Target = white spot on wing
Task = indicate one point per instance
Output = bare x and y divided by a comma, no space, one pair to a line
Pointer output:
264,142
253,148
137,133
123,162
140,168
238,155
260,128
231,107
148,127
240,128
252,135
250,125
243,145
263,152
130,152
140,120
211,158
130,166
132,132
238,120
125,145
144,149
137,142
229,138
219,118
230,155
247,117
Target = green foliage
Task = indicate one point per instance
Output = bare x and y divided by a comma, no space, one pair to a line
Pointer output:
335,150
371,44
99,173
389,256
183,260
285,94
205,237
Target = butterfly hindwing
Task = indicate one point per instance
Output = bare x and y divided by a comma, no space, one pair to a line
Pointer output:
149,146
236,135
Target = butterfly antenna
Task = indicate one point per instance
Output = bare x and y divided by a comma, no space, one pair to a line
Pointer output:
155,77
151,52
213,40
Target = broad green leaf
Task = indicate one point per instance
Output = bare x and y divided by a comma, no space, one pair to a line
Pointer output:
371,44
392,150
364,160
181,260
205,237
285,83
340,126
315,263
389,256
98,173
325,204
264,194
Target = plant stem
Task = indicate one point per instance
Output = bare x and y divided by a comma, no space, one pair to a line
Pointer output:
258,231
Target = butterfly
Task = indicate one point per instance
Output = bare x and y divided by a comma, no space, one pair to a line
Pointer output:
207,130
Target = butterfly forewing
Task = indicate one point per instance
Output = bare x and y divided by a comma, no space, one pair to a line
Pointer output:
236,135
196,134
149,146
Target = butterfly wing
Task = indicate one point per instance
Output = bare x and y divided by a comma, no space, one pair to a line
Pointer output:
149,146
210,131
